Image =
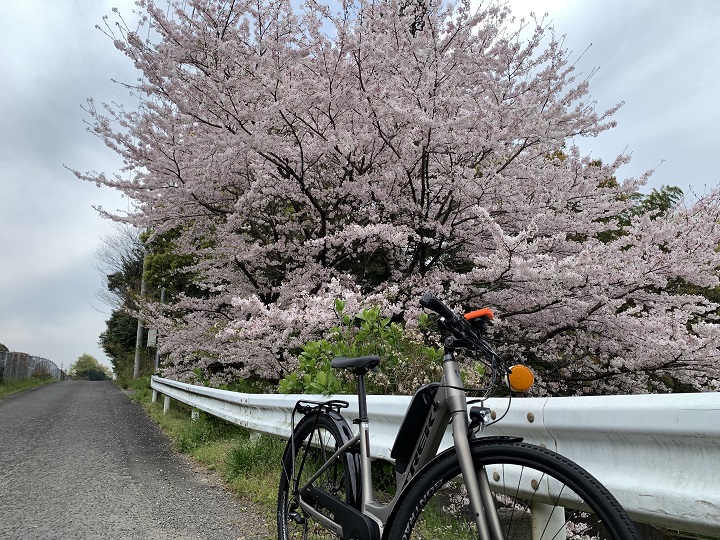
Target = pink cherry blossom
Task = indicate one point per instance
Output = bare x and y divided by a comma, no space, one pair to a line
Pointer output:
314,152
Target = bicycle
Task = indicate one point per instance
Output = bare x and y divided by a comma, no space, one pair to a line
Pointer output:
487,487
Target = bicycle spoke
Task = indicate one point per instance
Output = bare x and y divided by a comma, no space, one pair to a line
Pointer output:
316,440
537,494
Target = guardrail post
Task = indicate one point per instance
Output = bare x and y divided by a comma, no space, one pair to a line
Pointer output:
154,396
194,415
166,406
547,522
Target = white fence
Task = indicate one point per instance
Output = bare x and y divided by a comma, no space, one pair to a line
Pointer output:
658,454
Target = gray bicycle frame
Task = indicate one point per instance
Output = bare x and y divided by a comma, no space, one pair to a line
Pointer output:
450,404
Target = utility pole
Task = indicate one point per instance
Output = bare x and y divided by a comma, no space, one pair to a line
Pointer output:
138,336
157,343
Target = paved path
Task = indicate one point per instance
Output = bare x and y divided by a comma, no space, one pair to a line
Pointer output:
78,459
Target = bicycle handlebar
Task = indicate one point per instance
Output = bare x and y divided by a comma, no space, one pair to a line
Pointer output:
459,327
432,302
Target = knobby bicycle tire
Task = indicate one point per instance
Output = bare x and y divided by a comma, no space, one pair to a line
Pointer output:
316,439
527,482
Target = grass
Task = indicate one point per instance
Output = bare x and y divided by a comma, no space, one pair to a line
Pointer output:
249,463
13,387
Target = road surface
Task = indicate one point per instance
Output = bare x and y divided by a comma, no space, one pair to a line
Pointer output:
78,459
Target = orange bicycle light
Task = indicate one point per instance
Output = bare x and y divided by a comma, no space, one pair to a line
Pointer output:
520,378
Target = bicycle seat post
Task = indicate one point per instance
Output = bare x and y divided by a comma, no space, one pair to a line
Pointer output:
362,422
359,367
362,399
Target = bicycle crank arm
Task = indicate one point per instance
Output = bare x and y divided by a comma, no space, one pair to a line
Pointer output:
349,522
323,520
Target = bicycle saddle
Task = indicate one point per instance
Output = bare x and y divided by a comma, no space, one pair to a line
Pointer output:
359,365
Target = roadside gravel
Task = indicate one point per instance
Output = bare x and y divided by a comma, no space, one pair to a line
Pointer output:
78,459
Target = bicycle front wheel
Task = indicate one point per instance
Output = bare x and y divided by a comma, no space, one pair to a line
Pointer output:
536,494
315,440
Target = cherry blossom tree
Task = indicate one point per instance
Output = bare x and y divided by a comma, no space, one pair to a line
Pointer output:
372,150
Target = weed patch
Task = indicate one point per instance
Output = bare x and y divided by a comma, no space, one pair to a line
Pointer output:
13,387
252,466
138,389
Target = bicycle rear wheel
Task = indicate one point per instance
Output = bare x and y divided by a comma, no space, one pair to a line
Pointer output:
537,494
315,440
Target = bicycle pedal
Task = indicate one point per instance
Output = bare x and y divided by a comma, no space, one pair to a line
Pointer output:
297,518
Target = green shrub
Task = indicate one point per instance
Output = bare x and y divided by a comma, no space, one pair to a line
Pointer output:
139,389
42,374
406,362
250,386
141,383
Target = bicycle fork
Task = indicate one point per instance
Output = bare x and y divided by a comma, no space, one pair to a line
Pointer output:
476,481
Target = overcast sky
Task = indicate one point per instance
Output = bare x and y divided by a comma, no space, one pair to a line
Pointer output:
661,57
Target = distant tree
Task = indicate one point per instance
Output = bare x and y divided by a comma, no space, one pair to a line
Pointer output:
118,341
120,260
87,367
3,348
659,201
167,268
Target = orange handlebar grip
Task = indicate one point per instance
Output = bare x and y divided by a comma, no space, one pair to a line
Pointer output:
484,312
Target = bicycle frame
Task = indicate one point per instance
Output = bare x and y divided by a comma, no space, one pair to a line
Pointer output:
449,404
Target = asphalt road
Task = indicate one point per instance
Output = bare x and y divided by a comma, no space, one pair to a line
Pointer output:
78,459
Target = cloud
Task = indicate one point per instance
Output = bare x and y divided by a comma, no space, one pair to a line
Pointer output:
662,61
54,59
56,315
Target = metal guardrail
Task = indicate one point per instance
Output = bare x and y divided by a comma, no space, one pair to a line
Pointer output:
17,366
658,454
